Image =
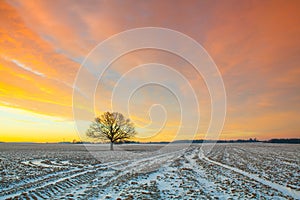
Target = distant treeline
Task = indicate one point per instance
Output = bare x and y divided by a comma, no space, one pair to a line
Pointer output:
251,140
288,141
206,141
76,142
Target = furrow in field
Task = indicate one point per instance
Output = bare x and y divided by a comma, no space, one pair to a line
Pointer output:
64,184
285,190
52,180
122,174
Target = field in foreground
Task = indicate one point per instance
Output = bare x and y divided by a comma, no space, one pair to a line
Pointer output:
229,171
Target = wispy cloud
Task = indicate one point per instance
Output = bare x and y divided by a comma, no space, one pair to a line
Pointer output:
28,68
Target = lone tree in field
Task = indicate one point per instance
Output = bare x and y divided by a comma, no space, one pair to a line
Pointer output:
113,127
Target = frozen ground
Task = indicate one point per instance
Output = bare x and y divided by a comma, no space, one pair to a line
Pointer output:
229,171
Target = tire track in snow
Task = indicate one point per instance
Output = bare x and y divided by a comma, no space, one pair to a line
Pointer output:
54,179
46,181
285,190
133,166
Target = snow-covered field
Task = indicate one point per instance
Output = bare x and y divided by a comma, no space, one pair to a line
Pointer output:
229,171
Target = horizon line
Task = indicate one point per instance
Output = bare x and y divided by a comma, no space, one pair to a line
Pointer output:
132,141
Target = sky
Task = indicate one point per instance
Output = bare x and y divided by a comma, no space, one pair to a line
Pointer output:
254,44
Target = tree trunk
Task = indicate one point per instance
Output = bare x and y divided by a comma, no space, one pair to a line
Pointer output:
111,146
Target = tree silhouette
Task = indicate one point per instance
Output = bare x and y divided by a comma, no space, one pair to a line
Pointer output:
111,127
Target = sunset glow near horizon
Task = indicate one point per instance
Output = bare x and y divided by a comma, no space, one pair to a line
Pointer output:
255,45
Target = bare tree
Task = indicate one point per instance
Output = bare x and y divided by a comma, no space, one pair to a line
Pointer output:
113,127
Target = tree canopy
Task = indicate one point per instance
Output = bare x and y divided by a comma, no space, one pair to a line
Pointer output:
111,126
